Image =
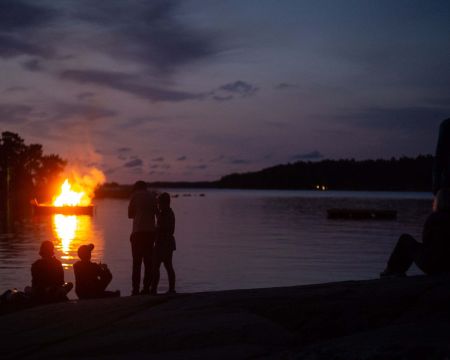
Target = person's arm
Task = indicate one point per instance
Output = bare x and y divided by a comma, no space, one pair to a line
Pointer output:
34,276
172,223
427,233
441,159
131,209
60,276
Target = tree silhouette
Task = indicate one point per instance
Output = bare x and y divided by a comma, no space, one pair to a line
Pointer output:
25,172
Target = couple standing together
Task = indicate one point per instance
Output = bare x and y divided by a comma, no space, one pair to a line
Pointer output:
152,238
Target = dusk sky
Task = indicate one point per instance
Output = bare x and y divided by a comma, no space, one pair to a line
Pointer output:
197,89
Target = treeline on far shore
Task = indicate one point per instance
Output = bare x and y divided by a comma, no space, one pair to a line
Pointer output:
402,174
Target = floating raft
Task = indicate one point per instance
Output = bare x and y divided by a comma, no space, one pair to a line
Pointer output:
362,214
43,209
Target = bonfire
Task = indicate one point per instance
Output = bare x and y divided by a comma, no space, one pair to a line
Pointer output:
68,201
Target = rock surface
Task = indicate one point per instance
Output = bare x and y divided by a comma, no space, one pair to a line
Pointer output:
401,318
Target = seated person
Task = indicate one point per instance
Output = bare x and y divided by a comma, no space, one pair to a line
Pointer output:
432,256
91,279
164,244
47,277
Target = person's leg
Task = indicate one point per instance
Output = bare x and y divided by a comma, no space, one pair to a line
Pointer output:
406,250
155,273
170,272
148,257
104,281
137,253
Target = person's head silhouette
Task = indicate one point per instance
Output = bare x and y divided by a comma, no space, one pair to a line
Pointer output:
442,201
164,201
139,185
84,252
47,250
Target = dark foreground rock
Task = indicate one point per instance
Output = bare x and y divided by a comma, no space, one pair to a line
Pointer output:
402,318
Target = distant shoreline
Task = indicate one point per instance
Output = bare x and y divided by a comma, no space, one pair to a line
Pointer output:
403,174
124,191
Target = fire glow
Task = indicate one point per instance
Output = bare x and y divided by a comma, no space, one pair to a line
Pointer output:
69,197
79,190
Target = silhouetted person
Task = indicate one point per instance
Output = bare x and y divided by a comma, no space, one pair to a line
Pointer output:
142,209
441,167
432,256
91,279
47,277
165,243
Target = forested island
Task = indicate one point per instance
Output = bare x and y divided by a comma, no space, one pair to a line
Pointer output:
403,174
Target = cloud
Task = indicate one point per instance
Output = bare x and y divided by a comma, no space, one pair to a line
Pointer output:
12,46
232,90
33,65
123,153
158,159
239,161
412,118
127,83
123,149
85,95
239,87
159,39
148,33
18,22
199,167
313,155
182,158
133,163
285,86
13,89
217,158
62,111
222,98
16,15
137,121
14,113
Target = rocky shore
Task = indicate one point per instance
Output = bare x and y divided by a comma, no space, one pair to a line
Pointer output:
401,318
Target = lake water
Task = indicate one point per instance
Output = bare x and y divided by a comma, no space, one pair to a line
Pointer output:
230,239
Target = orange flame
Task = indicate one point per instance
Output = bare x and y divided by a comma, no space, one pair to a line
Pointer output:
69,197
79,191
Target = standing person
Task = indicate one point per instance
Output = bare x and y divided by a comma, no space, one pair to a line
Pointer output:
441,167
165,243
142,209
91,279
47,276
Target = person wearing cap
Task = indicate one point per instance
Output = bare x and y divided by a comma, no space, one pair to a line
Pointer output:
47,276
142,209
91,279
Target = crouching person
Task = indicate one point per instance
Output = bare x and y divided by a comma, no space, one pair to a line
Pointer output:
91,279
47,277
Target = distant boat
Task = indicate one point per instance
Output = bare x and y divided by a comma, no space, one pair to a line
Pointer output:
48,209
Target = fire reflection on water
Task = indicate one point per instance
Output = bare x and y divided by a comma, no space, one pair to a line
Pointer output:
73,231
